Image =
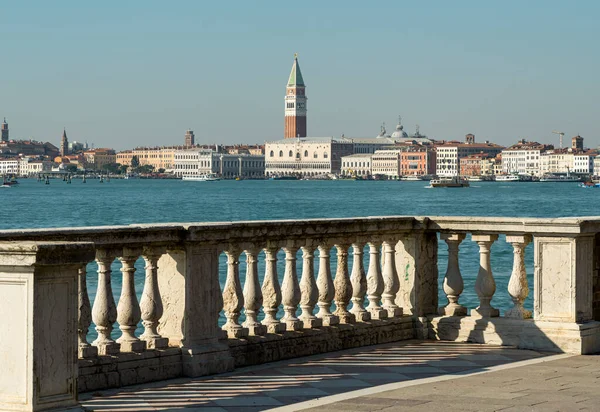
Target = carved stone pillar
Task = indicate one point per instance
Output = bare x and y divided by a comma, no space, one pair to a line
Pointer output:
325,285
485,285
308,289
453,281
151,304
271,292
38,337
343,287
390,280
517,285
233,300
375,282
358,279
104,310
128,308
290,290
84,318
252,295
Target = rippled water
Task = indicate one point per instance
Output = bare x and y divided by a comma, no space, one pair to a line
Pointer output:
35,205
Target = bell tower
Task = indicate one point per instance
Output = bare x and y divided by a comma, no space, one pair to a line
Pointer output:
295,103
4,131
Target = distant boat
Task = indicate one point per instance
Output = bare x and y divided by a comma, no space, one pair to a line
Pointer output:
10,181
589,185
210,177
475,179
283,177
556,178
412,178
507,178
454,181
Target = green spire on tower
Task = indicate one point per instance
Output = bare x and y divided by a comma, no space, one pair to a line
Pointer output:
296,75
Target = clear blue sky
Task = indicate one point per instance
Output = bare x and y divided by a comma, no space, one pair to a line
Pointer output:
123,74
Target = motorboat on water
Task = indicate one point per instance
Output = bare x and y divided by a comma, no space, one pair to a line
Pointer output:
454,181
589,185
412,178
507,178
209,177
284,177
475,179
557,178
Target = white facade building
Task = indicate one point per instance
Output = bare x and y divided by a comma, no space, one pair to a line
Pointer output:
9,166
523,158
306,156
560,161
449,154
387,163
198,162
583,163
357,164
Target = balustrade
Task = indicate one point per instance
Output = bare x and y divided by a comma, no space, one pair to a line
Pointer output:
563,298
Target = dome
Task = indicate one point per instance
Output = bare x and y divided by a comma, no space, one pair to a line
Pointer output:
399,133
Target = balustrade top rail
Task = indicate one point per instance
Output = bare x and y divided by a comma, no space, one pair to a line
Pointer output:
274,230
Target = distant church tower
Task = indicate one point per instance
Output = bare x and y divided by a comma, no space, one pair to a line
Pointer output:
4,131
295,104
64,144
189,138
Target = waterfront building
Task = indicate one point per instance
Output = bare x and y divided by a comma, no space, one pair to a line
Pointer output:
308,157
387,163
357,164
28,148
124,157
9,165
523,158
597,165
417,160
583,162
256,150
4,131
448,154
557,161
98,158
157,157
497,164
64,144
480,164
190,139
295,104
32,166
198,162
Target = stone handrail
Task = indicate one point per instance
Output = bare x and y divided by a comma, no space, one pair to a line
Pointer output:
182,299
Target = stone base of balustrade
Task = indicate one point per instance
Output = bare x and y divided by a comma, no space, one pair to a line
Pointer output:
310,323
104,372
270,348
522,333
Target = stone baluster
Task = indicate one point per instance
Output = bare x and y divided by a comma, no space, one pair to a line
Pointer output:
151,304
375,282
517,285
104,310
358,279
128,308
84,318
271,292
308,289
342,285
233,299
325,285
485,285
453,281
290,290
253,298
390,280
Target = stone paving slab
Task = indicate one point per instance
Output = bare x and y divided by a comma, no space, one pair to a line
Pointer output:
287,385
558,383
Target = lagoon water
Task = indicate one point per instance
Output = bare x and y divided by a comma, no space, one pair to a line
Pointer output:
122,202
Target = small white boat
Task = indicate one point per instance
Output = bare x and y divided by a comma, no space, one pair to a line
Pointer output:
412,178
507,178
210,177
454,181
475,179
556,178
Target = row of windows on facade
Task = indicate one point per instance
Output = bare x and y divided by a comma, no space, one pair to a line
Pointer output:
355,164
291,154
225,164
297,166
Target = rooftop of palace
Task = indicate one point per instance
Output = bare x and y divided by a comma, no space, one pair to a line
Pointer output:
456,143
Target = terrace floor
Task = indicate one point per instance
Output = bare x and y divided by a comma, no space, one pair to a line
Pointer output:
400,376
